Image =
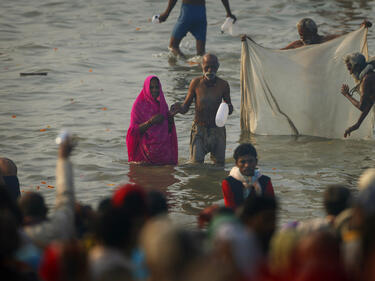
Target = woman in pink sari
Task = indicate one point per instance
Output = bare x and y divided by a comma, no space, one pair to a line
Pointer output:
151,136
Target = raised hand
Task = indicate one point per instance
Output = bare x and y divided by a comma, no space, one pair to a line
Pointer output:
366,23
345,90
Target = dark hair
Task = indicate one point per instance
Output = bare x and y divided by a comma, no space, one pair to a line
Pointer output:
336,199
7,203
244,149
157,203
113,228
255,204
32,204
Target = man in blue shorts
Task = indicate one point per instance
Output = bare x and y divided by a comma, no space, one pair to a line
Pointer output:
192,19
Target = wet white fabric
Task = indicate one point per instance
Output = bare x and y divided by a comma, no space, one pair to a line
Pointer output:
297,91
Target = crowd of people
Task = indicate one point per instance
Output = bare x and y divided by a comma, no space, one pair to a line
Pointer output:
130,236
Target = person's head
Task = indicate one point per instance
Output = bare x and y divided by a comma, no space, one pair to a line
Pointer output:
259,214
367,179
336,199
169,249
210,65
131,201
84,219
307,30
246,158
234,246
318,257
113,228
355,63
33,207
155,87
8,170
157,203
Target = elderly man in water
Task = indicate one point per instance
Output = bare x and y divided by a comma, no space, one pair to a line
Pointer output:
207,91
308,32
363,74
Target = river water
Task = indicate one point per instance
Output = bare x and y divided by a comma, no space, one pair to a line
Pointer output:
97,55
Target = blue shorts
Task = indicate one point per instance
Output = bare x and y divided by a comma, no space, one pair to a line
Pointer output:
192,18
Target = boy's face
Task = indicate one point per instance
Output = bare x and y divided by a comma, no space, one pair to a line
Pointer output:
247,164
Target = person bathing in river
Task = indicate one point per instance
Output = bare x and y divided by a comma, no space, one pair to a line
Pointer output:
151,137
207,91
308,32
244,179
192,19
363,74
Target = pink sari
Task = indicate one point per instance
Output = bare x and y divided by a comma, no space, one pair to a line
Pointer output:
158,145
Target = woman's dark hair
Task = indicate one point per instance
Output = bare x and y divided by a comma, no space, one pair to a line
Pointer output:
244,149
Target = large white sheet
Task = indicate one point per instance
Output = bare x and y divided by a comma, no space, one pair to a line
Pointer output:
297,92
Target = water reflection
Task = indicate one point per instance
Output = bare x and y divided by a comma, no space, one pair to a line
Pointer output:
152,177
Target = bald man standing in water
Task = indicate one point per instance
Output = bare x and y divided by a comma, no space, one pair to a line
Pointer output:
207,91
192,19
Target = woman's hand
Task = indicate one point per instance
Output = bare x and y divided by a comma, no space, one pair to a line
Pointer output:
175,108
156,119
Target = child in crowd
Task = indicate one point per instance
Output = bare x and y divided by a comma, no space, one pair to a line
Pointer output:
245,179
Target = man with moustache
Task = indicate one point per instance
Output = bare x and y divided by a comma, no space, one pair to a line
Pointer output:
207,91
363,73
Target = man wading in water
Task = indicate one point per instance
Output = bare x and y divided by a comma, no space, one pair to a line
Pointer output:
192,19
207,91
363,73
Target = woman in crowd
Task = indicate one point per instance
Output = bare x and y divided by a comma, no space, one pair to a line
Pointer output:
151,136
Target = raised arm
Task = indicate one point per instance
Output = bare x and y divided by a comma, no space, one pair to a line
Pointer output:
163,17
345,93
226,97
227,9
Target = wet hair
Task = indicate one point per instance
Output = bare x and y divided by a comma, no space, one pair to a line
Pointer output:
244,149
33,205
337,198
307,24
